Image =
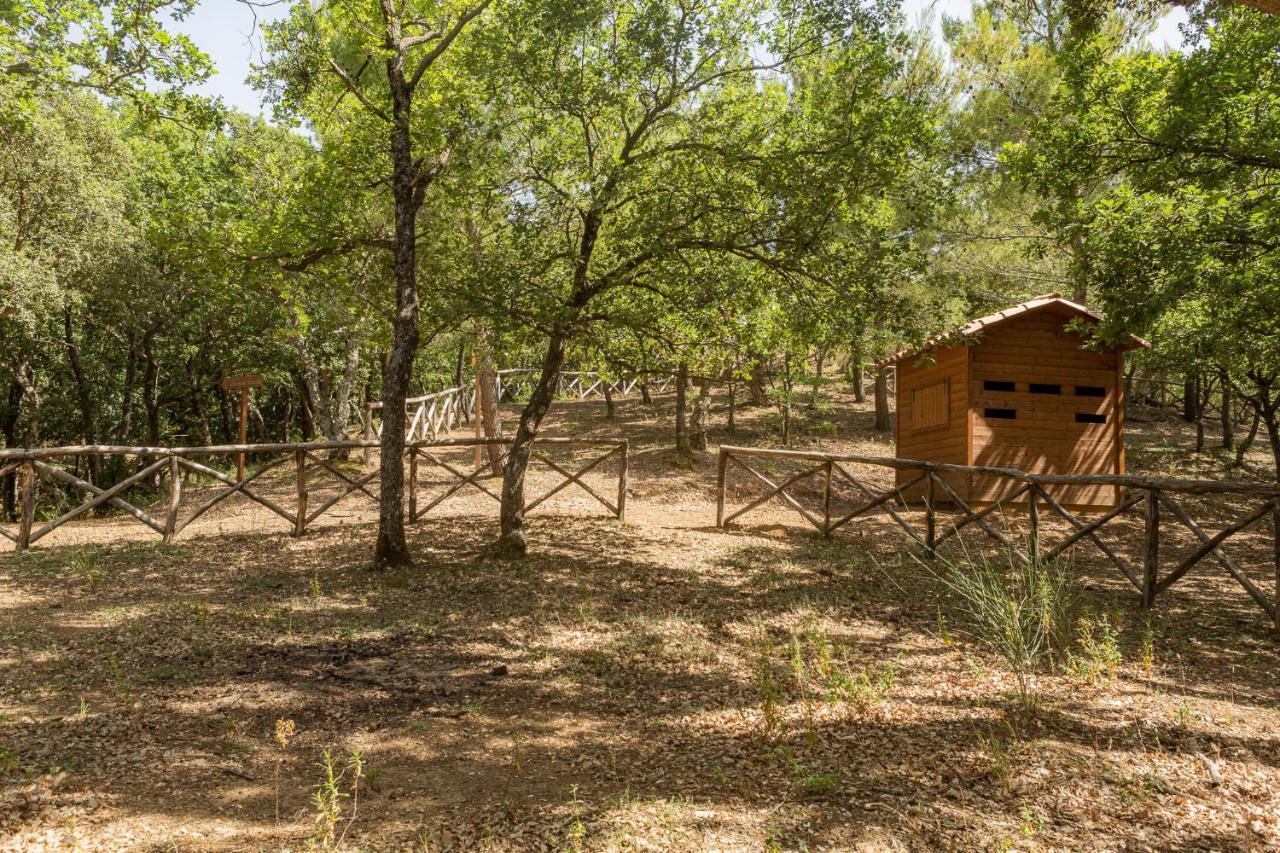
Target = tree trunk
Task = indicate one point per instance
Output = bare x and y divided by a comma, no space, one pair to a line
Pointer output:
682,409
698,420
1228,422
9,426
819,361
645,397
197,404
489,416
306,418
88,420
342,397
126,394
150,388
1189,395
757,386
392,549
609,411
733,405
511,540
1243,447
882,399
786,399
858,375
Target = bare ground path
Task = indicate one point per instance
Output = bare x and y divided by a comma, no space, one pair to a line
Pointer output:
659,684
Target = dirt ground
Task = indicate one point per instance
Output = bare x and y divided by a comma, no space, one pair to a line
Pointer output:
658,684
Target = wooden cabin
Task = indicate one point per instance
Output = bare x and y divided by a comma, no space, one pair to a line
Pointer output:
1017,389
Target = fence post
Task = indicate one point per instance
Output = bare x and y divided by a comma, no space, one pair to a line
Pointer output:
413,484
28,516
175,498
1033,522
300,461
1151,558
930,521
622,481
826,500
720,471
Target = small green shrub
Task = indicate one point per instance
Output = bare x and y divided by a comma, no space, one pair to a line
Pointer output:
1019,609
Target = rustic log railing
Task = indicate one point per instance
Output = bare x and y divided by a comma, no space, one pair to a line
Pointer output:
430,415
1033,491
310,465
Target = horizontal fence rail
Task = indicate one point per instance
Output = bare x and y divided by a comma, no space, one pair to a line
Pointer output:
1151,496
311,467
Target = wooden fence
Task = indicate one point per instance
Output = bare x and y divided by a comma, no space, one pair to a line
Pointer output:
1150,496
309,462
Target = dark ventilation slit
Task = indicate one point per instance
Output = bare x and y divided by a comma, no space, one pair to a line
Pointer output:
994,385
1000,414
1041,388
1090,391
1090,418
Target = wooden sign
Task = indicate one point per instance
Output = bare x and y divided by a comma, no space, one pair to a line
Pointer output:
242,383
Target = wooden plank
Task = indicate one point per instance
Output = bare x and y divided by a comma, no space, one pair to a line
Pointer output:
1210,546
464,480
885,505
572,479
1089,531
101,496
300,472
978,516
357,485
234,486
776,490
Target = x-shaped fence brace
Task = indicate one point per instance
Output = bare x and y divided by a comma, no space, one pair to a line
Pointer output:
309,462
571,478
1029,489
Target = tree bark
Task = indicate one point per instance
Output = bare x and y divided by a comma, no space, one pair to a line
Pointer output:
698,419
645,397
197,403
306,418
392,549
682,409
9,426
342,397
757,385
150,387
489,416
511,540
858,374
819,361
882,399
126,394
732,426
786,399
1227,421
609,413
84,394
1190,394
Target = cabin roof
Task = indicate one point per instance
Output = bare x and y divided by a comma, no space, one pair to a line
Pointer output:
974,327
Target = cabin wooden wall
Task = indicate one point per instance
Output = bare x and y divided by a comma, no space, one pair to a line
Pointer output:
946,442
1044,436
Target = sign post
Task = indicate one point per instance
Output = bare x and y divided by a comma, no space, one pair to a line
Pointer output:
242,384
